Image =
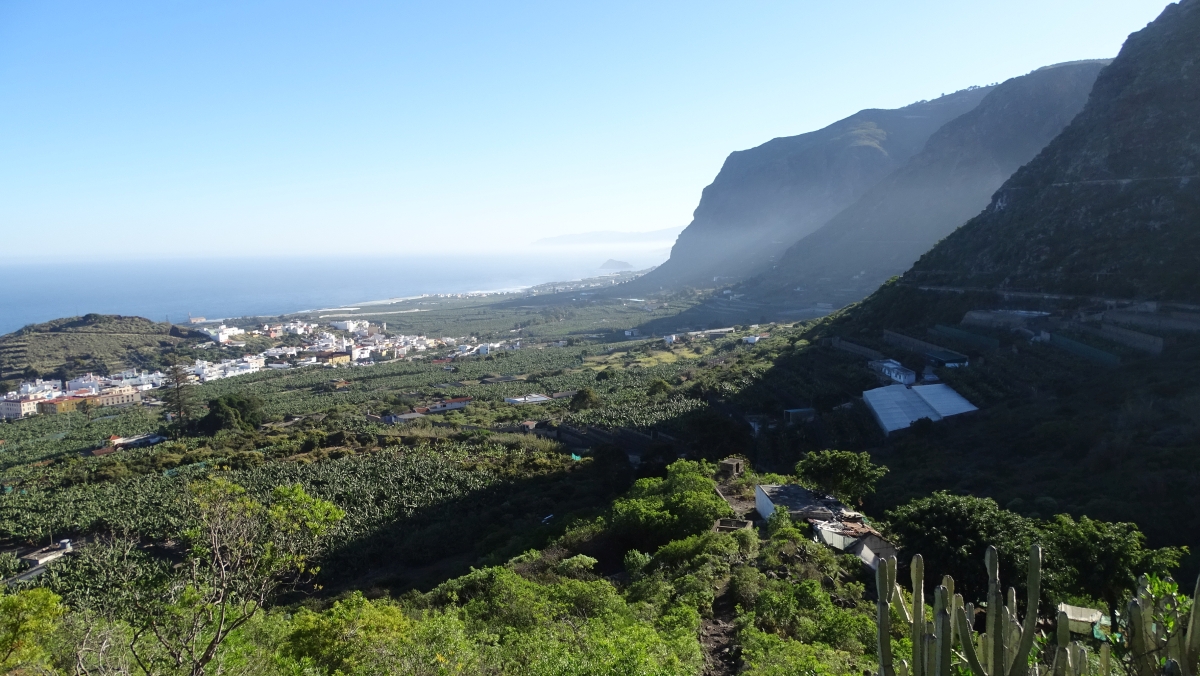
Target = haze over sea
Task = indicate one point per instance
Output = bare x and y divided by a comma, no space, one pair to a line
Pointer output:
218,288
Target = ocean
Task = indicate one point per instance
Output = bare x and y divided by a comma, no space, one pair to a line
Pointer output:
173,289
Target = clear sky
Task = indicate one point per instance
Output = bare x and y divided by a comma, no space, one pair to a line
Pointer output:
212,128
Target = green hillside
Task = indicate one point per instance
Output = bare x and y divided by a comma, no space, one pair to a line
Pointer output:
92,343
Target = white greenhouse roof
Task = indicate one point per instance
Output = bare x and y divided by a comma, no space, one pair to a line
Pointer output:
896,407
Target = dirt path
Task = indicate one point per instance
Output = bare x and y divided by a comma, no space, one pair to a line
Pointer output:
722,654
718,636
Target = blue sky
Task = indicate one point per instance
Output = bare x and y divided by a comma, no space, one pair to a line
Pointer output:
140,129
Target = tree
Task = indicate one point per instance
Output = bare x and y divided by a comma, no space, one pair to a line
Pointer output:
847,476
344,638
584,398
241,555
232,412
952,532
1103,560
659,386
177,393
27,619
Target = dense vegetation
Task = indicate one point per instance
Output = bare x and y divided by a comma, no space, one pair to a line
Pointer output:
461,546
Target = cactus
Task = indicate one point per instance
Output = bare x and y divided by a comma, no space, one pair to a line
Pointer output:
885,583
1006,643
1150,643
1004,649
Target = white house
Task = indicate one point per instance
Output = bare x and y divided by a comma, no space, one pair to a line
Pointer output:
833,524
348,325
11,409
86,382
222,333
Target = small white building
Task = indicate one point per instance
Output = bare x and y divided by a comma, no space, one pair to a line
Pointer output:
833,524
298,328
39,387
893,370
800,502
222,333
349,325
528,399
87,382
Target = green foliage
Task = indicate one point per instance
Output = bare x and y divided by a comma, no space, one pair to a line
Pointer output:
768,654
344,638
952,531
659,387
848,476
779,522
232,411
584,399
657,510
241,554
27,619
9,565
639,415
1103,560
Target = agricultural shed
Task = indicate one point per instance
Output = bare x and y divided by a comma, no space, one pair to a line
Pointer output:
896,407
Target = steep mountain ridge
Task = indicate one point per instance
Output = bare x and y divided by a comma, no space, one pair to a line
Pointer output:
1111,207
936,191
767,197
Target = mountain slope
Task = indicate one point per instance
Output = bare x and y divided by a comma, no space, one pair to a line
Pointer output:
1111,207
936,191
767,197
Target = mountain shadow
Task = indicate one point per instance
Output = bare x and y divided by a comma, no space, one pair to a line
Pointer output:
767,197
937,190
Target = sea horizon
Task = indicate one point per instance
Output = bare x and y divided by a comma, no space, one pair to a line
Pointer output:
175,289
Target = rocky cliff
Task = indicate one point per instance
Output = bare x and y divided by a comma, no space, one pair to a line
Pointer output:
768,197
952,179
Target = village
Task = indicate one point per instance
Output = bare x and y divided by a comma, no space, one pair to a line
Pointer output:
357,343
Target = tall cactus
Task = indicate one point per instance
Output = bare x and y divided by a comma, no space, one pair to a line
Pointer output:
885,583
1005,656
1004,644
